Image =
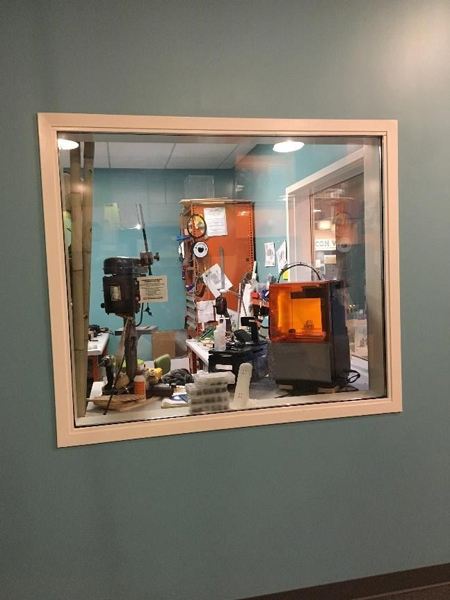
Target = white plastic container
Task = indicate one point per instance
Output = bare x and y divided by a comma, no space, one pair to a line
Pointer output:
209,392
220,342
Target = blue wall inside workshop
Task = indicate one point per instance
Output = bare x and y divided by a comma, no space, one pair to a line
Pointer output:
159,193
236,513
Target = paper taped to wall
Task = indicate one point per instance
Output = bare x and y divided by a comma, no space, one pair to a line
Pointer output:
153,288
205,311
282,256
269,253
216,221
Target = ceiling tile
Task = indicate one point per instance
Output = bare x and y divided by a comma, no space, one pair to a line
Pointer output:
199,156
100,156
138,155
238,153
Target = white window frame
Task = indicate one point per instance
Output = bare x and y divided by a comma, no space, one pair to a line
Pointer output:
68,434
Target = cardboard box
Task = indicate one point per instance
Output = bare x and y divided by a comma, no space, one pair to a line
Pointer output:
169,342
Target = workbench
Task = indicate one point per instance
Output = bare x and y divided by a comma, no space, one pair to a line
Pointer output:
97,347
197,350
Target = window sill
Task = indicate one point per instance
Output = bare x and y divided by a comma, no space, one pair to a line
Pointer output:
174,424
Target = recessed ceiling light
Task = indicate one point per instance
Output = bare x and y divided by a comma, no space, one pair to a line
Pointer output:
64,144
324,225
288,146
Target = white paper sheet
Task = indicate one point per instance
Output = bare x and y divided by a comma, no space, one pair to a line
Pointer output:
216,221
269,253
153,288
213,279
282,256
205,311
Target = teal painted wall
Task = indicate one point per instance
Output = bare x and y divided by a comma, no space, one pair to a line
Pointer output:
159,192
228,514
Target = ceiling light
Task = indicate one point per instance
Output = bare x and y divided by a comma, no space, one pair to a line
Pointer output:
288,146
324,225
64,144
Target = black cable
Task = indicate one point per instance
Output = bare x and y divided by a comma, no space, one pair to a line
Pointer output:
349,377
142,316
299,264
114,385
283,396
344,383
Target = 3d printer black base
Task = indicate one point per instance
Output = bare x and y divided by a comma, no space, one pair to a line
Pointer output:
309,366
306,388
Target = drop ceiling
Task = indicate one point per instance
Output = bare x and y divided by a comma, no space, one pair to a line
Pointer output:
139,155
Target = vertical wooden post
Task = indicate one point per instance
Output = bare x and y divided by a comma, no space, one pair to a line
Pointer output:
80,351
87,234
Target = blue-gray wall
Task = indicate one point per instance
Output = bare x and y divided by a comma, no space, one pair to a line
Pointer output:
229,514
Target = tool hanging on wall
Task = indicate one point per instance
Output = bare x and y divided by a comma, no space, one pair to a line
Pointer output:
181,253
199,285
200,249
221,306
196,226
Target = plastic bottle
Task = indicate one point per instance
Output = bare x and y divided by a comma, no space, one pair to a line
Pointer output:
139,383
219,337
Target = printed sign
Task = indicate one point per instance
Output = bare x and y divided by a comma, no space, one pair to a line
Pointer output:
153,288
325,244
282,256
269,252
216,221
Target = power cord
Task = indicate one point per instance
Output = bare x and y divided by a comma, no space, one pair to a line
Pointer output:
299,264
345,382
114,391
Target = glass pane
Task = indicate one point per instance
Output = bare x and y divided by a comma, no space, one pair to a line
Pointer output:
190,256
339,251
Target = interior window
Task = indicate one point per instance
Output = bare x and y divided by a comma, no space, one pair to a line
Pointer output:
221,273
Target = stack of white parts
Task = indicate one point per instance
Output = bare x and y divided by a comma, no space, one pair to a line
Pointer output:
209,392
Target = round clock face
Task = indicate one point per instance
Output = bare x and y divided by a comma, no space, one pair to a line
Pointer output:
200,249
196,226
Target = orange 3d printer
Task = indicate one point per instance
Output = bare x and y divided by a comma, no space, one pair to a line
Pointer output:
309,341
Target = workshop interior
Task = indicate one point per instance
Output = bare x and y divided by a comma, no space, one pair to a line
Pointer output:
208,274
